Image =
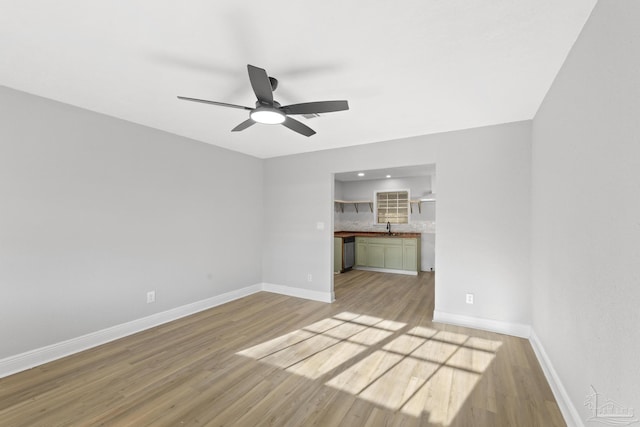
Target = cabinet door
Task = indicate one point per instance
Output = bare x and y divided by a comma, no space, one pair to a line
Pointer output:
393,257
337,254
375,256
361,253
410,258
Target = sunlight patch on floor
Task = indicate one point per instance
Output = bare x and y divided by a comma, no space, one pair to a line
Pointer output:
415,370
324,345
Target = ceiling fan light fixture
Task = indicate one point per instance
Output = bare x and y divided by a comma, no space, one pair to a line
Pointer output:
267,116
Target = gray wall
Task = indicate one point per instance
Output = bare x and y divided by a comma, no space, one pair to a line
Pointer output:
338,190
96,211
364,189
586,211
483,243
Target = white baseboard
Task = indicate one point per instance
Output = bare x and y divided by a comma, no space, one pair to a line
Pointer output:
299,293
33,358
508,328
39,356
569,411
387,270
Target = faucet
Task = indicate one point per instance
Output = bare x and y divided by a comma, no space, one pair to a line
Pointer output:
389,227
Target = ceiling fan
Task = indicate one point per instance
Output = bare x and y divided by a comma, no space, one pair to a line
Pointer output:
269,111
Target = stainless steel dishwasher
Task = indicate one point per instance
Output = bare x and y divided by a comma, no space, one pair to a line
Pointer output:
349,251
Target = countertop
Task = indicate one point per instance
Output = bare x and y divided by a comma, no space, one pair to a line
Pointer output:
376,234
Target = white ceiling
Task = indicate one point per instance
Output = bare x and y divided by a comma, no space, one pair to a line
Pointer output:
407,68
375,174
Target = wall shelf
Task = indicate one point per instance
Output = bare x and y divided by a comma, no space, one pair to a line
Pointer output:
419,202
355,203
416,202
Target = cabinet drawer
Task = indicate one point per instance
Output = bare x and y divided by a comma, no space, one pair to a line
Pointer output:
410,242
387,241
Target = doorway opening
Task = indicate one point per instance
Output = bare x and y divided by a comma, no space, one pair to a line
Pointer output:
397,205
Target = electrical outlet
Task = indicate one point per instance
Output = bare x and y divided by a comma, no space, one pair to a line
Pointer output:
309,278
469,298
151,297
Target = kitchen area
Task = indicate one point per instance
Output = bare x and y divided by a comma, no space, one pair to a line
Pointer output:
384,220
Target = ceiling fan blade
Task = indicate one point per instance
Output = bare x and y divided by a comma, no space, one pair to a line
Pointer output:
316,107
243,125
261,84
296,126
221,104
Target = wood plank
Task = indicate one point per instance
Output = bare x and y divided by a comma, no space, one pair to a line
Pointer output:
373,357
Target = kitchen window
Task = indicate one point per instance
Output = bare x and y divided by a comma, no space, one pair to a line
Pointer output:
392,207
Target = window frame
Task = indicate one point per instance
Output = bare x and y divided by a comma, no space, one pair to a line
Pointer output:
377,207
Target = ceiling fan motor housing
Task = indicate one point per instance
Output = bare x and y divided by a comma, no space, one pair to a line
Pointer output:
274,83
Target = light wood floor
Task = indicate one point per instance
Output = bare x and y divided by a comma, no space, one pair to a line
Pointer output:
372,358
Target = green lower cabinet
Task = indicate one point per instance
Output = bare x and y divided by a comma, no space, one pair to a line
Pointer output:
388,253
412,254
375,256
337,254
393,257
361,252
409,258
